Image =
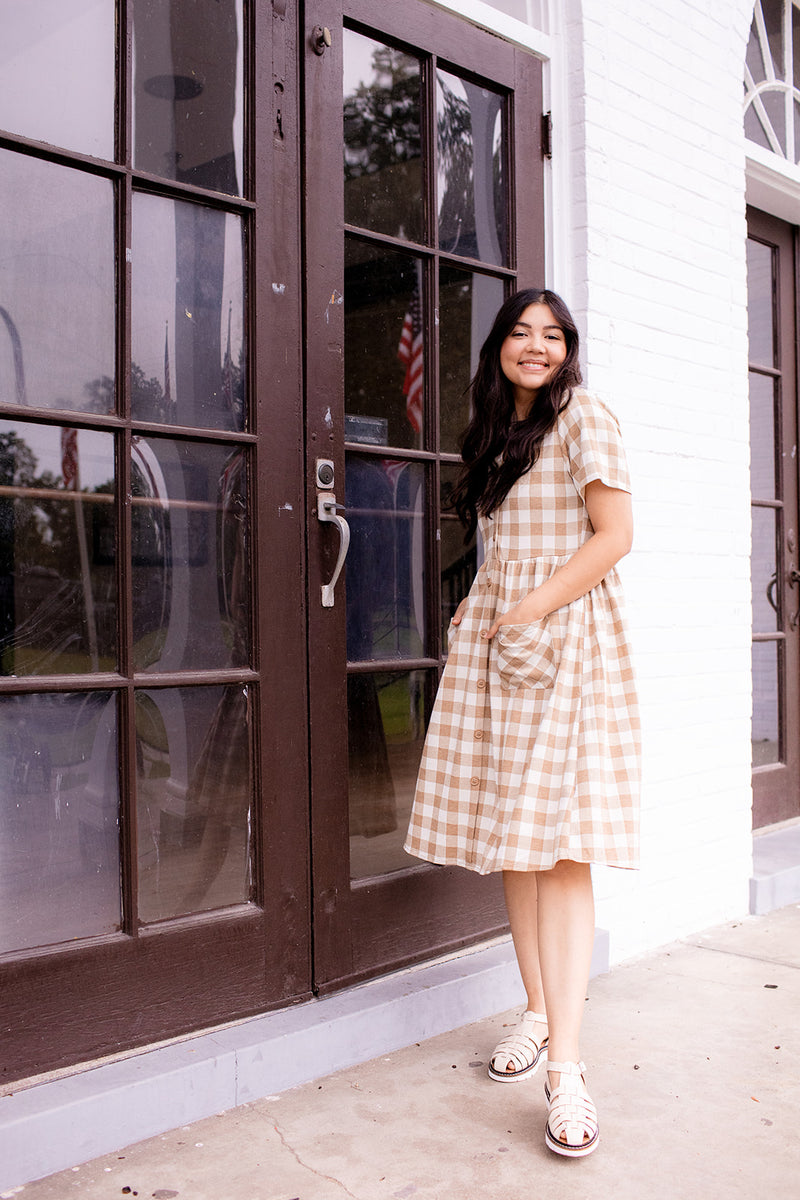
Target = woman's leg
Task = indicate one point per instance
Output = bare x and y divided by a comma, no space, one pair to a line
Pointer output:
521,889
565,940
519,1053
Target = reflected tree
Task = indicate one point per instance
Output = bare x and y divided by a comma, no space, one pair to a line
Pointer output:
382,147
42,593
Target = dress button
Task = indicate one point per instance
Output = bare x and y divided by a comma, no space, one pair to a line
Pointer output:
478,735
475,781
482,685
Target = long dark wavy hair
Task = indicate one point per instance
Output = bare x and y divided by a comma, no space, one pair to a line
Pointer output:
493,430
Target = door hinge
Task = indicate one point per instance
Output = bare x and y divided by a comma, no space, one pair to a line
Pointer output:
547,135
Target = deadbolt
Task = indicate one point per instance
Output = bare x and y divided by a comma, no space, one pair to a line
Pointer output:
325,473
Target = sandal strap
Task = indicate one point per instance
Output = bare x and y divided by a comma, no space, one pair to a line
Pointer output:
519,1048
572,1116
566,1068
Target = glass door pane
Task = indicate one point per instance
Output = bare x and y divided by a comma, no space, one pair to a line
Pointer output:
57,73
472,146
383,180
57,244
59,818
188,92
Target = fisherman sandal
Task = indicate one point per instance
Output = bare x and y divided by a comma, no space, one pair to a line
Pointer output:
518,1055
571,1127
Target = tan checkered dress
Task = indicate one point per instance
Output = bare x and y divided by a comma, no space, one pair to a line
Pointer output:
532,753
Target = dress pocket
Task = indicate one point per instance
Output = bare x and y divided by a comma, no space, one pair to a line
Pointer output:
526,656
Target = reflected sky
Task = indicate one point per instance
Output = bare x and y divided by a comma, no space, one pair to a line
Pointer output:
57,73
58,281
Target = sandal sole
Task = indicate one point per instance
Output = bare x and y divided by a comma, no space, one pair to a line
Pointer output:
567,1151
514,1076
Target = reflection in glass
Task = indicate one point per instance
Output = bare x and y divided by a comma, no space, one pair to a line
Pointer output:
189,555
382,148
764,570
57,346
386,729
57,77
187,315
471,179
385,571
193,799
459,560
59,828
766,711
384,347
58,598
762,437
467,306
188,91
760,314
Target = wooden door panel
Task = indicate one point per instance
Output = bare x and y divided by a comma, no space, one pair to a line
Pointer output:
65,1001
402,911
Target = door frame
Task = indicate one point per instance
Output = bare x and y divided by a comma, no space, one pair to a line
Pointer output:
776,786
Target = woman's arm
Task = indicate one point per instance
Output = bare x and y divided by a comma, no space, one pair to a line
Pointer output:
610,512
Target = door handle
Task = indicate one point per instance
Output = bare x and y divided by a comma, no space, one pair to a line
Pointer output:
326,511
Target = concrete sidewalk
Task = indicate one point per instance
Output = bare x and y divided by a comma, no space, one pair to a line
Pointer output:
693,1059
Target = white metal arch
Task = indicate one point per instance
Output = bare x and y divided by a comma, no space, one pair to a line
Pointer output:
770,70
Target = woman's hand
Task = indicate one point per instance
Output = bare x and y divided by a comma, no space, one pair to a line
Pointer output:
526,612
459,613
609,511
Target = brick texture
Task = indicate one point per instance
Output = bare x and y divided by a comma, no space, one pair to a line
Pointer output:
657,276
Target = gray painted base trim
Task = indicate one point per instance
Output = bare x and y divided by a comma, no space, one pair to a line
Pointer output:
776,870
63,1122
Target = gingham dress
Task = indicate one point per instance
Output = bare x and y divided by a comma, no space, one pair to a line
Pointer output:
532,753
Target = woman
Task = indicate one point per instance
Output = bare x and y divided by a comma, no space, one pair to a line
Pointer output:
531,761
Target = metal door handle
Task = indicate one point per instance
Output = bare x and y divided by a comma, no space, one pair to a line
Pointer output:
326,511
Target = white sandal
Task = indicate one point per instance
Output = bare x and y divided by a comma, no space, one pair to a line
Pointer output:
519,1053
571,1127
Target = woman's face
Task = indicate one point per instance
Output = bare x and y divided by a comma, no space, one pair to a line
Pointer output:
531,354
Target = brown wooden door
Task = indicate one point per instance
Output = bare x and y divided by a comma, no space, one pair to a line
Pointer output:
773,342
153,749
423,207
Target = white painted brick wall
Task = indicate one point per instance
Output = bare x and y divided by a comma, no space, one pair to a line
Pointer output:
657,275
647,223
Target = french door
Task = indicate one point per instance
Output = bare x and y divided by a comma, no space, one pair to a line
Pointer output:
244,276
773,340
423,206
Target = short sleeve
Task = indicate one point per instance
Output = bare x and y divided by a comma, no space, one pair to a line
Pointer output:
593,443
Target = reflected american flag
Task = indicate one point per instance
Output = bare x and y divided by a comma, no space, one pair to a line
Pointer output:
410,353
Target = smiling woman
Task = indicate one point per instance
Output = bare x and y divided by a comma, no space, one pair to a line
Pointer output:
531,762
